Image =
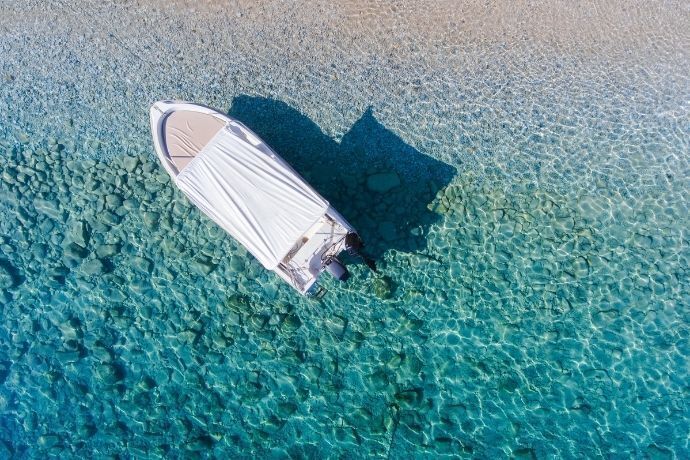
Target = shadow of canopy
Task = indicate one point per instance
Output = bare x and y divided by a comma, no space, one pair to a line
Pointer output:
379,184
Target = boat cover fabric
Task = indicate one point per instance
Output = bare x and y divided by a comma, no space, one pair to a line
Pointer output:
252,194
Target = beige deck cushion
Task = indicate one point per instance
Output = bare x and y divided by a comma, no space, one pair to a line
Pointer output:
186,133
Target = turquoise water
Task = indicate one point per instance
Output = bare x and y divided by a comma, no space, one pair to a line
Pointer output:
534,287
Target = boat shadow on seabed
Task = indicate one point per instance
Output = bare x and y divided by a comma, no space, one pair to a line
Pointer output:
381,185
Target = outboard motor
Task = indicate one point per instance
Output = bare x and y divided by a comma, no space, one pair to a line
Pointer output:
354,245
337,269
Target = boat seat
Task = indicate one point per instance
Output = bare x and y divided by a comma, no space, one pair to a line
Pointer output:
187,132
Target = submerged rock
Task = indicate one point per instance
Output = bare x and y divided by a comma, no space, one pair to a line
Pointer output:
383,182
73,253
142,264
7,278
151,219
79,233
130,204
113,201
236,264
48,441
382,287
130,163
110,218
110,373
337,324
203,266
286,409
107,250
50,208
93,267
291,324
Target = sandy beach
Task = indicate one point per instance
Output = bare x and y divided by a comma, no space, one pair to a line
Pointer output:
111,61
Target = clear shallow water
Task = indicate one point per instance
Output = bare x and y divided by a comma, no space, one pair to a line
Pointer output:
534,294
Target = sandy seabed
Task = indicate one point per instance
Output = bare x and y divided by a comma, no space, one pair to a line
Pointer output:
534,288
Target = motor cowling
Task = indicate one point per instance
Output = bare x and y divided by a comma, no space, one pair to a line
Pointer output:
337,270
354,245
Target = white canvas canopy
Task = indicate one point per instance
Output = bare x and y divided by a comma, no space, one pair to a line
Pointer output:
252,194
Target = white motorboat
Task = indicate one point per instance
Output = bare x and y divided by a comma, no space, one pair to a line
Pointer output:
245,187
